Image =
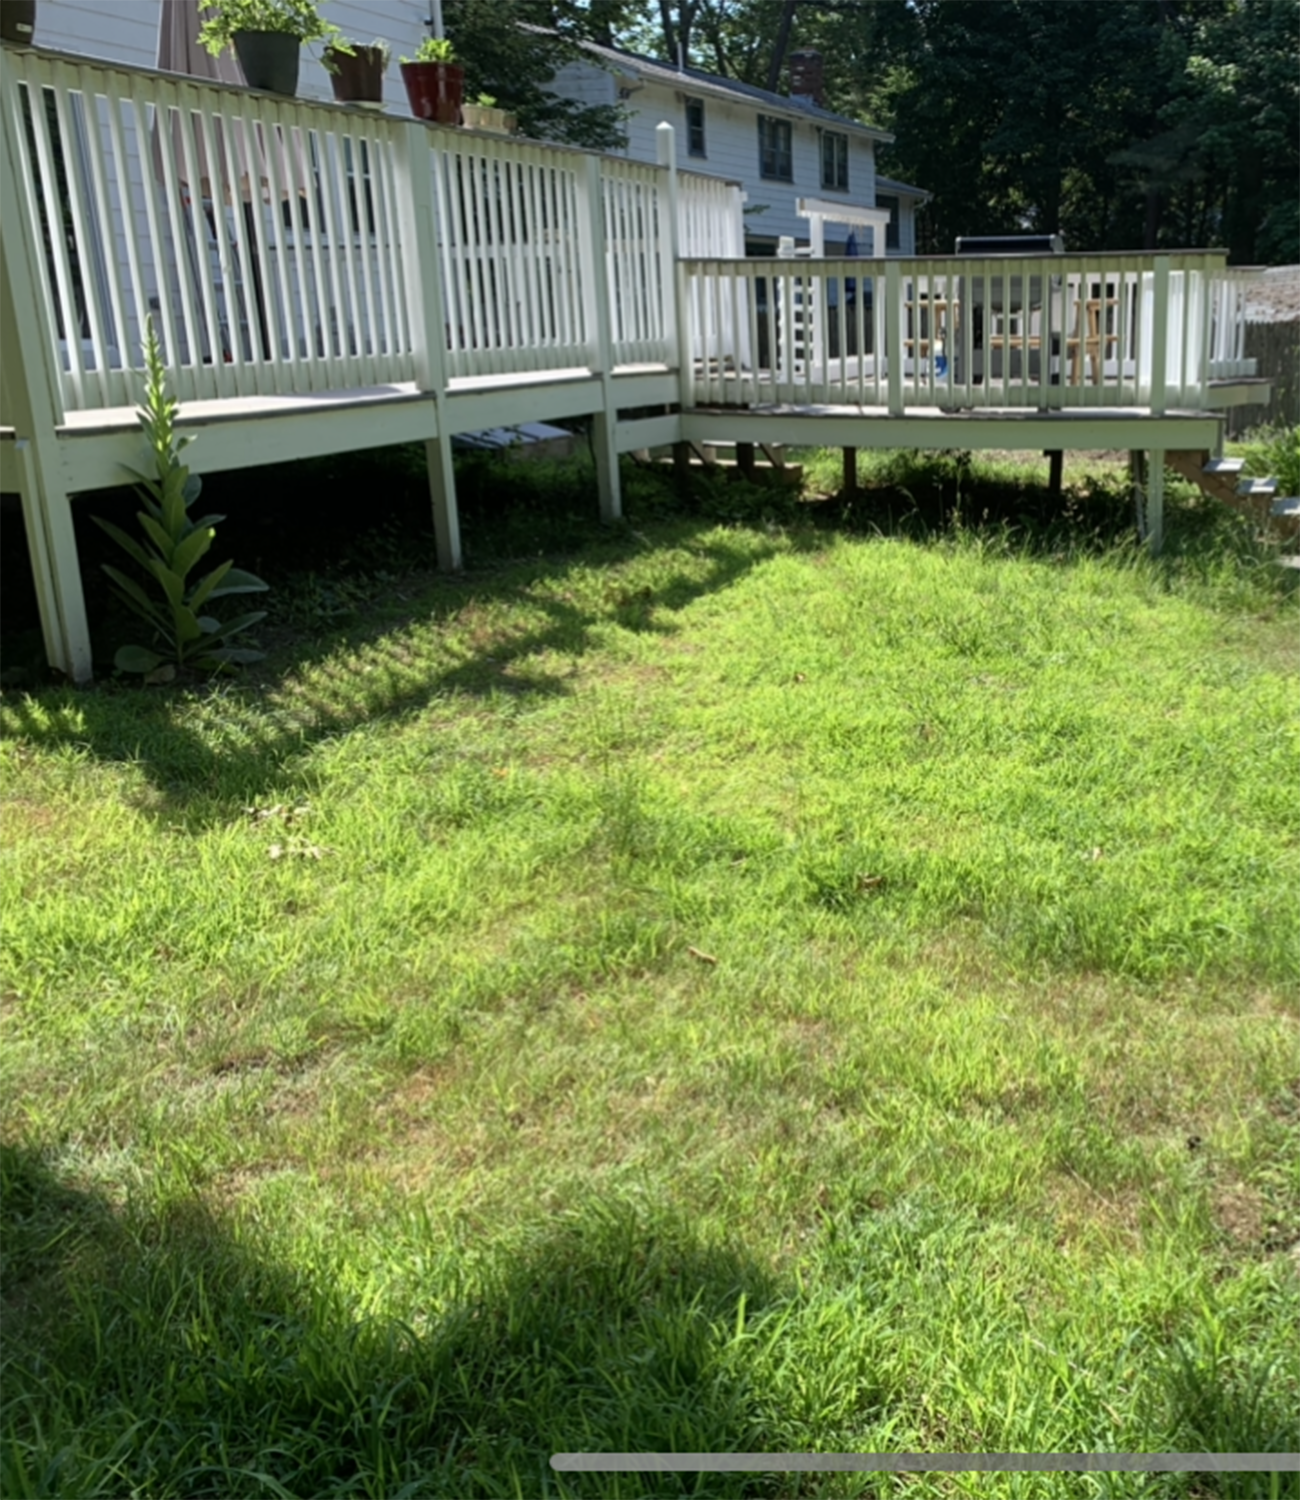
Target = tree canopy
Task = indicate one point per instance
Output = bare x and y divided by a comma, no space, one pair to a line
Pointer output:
1128,124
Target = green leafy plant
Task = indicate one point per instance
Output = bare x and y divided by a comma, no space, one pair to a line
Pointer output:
1274,452
184,635
345,44
486,101
433,49
300,18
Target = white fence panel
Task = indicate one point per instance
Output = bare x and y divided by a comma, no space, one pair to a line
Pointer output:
509,219
634,202
260,235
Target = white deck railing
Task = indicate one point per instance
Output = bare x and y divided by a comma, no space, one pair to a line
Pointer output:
269,238
290,247
1015,331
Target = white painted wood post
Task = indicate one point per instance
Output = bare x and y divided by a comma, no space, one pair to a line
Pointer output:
422,267
894,336
666,147
596,294
669,240
34,407
1159,334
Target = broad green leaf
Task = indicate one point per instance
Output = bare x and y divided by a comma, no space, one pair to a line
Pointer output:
173,585
127,543
136,659
229,655
156,535
241,622
202,522
239,582
186,623
204,589
191,549
193,489
132,594
209,624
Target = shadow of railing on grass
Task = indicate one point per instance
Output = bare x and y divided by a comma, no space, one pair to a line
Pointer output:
162,1352
353,675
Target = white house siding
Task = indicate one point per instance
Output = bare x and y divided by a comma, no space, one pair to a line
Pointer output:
731,147
126,31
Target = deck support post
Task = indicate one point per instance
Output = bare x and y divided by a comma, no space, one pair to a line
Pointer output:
423,268
1155,507
442,494
33,404
850,473
604,423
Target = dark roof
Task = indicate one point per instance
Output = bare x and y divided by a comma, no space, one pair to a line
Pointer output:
697,81
892,185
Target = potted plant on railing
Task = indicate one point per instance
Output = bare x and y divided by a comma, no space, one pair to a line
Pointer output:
268,37
483,114
18,21
434,83
357,72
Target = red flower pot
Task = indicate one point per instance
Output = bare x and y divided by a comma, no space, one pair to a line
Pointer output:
435,91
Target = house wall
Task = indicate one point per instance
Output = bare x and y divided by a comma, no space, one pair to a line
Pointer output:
126,31
731,145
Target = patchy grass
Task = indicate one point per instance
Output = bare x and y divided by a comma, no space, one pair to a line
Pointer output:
731,987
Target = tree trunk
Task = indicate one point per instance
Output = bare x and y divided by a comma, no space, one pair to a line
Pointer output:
782,42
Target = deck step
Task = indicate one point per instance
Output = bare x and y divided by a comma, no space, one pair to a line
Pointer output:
1288,507
1225,466
1289,561
1258,489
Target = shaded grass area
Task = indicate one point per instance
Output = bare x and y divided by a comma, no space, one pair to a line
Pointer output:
714,986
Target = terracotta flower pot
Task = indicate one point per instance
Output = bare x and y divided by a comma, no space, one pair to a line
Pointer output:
358,78
18,21
435,91
269,60
487,117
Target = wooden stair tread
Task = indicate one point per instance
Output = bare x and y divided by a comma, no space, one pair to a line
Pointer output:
1225,466
1257,487
1288,506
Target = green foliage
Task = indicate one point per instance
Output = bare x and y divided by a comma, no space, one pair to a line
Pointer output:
300,18
1274,452
433,49
514,64
184,634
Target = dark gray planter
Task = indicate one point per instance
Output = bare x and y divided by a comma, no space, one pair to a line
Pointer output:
269,60
18,21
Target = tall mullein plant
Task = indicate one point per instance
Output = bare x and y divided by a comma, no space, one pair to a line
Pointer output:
184,633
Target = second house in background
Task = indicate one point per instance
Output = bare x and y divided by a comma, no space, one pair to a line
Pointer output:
780,148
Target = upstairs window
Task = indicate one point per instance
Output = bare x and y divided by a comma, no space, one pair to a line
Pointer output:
695,127
775,158
835,161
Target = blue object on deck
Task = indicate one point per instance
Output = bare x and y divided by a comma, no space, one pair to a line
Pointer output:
850,282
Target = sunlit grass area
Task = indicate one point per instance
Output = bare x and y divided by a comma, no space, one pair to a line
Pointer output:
727,985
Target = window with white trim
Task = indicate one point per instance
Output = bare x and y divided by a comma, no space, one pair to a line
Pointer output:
695,127
835,161
775,151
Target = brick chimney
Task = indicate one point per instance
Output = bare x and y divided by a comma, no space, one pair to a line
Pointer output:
806,76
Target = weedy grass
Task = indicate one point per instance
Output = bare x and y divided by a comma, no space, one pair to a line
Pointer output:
711,987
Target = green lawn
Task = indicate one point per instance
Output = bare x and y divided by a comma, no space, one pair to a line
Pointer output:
733,988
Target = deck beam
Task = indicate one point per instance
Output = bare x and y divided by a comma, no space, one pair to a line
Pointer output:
843,428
